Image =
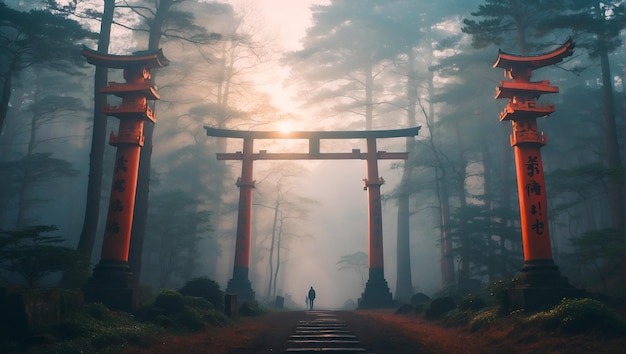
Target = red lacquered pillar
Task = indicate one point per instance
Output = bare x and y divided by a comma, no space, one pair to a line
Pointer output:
240,283
376,292
532,196
111,282
540,283
113,271
123,189
374,205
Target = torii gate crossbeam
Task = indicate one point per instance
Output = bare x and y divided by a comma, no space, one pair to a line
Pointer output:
376,292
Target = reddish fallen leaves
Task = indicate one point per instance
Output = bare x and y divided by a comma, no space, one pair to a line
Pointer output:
383,332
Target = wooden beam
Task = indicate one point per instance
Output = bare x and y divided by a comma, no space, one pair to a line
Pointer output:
354,155
312,135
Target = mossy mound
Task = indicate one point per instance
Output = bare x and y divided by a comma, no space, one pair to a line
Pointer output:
580,316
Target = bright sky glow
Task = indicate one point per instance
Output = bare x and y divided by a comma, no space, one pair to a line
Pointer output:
288,20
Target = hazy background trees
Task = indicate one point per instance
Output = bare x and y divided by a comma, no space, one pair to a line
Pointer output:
451,211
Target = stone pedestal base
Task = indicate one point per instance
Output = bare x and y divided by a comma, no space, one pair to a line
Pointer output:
112,284
240,285
540,287
376,294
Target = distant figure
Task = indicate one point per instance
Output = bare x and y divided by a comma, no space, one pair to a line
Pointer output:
306,298
311,297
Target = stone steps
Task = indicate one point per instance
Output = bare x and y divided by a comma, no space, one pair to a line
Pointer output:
323,332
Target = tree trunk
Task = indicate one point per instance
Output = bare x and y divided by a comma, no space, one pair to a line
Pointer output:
25,187
140,216
464,269
624,185
98,138
5,98
447,262
404,281
612,146
280,237
488,194
271,257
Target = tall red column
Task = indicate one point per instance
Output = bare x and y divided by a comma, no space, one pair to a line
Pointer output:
540,283
376,292
531,190
240,283
111,281
128,142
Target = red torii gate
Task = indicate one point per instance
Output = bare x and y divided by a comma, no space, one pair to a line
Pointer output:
540,282
376,292
112,280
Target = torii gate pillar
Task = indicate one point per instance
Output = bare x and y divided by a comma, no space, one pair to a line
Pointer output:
112,280
376,294
540,282
240,283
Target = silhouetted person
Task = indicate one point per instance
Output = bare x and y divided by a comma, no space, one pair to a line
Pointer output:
311,297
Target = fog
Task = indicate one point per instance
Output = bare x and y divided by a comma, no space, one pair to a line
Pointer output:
310,66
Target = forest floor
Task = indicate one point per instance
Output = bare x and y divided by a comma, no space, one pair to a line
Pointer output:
382,331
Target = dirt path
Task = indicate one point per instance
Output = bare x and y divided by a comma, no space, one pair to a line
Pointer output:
381,332
269,334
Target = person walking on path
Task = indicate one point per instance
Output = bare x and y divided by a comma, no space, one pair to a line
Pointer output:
311,297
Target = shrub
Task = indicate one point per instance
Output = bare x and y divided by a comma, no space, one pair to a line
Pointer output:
482,318
199,303
250,309
580,315
93,328
405,309
472,303
217,318
419,308
419,298
188,319
98,311
499,291
439,306
170,300
456,318
162,321
205,288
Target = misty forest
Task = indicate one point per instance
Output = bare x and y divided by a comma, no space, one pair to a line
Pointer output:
451,215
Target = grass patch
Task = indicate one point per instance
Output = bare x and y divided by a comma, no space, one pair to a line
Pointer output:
575,316
178,313
94,328
483,318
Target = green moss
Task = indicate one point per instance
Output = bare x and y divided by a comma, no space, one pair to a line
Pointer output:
198,303
93,328
205,288
580,315
169,300
188,320
472,303
217,318
456,318
482,318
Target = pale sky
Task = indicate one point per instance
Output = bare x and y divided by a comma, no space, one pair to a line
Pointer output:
288,21
289,18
